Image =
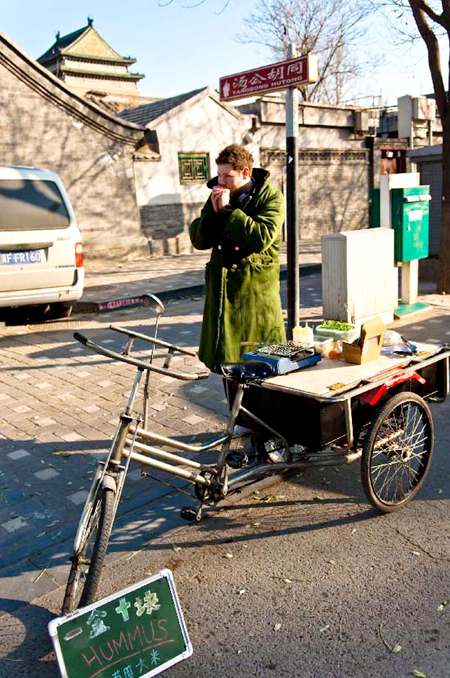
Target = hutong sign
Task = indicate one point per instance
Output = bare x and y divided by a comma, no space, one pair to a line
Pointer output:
290,73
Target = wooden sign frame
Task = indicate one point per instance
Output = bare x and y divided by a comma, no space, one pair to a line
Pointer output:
137,632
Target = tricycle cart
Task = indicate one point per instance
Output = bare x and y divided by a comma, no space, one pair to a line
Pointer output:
331,413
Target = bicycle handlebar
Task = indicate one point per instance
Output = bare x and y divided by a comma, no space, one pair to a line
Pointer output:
185,376
152,340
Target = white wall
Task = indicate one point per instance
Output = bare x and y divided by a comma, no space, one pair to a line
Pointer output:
202,126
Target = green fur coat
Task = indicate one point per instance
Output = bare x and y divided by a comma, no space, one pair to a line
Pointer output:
242,278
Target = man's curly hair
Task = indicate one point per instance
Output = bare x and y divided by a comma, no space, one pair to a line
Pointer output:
236,156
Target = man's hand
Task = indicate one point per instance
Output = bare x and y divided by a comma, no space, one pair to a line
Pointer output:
220,197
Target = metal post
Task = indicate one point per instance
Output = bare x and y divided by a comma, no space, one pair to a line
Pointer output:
293,276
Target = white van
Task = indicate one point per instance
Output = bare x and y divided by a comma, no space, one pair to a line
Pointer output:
41,255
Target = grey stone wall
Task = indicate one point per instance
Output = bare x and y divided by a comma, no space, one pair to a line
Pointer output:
43,125
333,188
167,227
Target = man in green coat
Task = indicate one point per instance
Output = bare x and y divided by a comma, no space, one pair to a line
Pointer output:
241,221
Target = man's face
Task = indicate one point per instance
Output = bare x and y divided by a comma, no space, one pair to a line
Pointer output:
231,178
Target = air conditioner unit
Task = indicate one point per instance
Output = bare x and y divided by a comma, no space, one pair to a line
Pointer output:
361,121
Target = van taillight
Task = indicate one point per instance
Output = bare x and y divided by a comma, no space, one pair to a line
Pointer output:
79,255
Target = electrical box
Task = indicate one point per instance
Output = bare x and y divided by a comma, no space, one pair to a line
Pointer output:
410,212
358,275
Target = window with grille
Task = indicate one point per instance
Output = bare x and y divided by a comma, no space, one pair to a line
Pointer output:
193,167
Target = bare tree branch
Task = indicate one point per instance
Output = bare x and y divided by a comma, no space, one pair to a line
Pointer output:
165,3
429,23
327,28
422,6
434,58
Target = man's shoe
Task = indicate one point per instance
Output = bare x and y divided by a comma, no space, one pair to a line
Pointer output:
237,459
275,451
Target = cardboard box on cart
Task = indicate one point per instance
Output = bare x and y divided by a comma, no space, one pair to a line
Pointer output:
368,346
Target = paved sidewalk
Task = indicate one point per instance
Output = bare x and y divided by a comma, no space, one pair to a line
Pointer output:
169,276
59,410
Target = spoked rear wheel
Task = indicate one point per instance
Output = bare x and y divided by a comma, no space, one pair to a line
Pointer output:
88,559
397,452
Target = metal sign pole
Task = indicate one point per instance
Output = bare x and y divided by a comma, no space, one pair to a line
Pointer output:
282,75
293,274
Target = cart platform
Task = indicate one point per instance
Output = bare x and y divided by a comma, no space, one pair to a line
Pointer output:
332,401
330,378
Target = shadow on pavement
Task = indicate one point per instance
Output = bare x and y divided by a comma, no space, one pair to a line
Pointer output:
26,649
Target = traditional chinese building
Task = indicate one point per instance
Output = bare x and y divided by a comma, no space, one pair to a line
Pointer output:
184,134
90,67
45,124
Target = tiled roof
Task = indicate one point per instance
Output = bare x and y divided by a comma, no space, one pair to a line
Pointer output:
144,114
61,43
40,80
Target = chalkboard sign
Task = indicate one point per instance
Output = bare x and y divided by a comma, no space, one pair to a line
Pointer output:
135,633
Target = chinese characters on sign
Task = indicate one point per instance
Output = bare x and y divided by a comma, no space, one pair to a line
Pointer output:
298,71
135,633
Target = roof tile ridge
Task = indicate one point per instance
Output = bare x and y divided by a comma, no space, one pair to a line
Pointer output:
67,98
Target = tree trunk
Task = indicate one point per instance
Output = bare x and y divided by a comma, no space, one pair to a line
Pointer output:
443,286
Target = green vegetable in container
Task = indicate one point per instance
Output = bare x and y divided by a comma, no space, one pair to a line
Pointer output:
336,325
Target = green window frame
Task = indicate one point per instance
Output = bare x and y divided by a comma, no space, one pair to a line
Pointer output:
193,168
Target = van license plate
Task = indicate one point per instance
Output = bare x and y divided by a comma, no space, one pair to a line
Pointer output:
27,257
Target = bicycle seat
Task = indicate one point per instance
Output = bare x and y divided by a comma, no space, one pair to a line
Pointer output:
245,372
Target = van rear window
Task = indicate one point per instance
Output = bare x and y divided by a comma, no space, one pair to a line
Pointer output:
30,204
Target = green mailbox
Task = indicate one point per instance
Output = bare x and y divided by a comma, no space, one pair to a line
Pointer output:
410,210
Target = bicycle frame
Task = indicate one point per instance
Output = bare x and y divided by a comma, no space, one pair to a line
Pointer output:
132,440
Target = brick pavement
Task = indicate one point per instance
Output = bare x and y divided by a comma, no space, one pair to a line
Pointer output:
170,274
59,408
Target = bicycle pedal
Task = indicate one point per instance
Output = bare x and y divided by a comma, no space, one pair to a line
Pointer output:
237,459
188,513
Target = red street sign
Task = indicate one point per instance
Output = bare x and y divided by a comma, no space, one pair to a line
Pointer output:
298,71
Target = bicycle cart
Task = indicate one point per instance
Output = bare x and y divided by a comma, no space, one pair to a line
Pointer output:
327,414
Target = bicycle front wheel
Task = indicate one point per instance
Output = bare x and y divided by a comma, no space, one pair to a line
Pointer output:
397,452
87,561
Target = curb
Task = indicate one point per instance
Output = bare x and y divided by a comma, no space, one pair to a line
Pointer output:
169,295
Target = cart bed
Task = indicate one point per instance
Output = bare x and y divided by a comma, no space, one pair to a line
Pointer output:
322,380
303,408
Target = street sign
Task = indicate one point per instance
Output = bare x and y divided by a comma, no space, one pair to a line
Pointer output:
135,633
290,73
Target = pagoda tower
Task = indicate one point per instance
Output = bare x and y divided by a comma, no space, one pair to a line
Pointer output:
92,68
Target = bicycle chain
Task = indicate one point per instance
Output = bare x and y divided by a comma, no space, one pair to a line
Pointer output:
166,482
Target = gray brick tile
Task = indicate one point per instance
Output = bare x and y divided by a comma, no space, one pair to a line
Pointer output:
21,409
46,474
78,497
71,436
18,454
15,524
91,408
45,422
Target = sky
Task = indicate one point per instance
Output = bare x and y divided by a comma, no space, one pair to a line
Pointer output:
180,49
